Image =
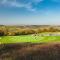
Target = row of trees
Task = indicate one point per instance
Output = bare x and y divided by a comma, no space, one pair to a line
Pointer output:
25,31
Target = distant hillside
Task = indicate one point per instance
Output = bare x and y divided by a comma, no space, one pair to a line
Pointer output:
27,29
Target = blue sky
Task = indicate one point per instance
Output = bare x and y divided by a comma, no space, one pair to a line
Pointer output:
35,12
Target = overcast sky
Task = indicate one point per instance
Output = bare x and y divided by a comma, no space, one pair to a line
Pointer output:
36,12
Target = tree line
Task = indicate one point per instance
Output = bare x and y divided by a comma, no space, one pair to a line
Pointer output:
14,31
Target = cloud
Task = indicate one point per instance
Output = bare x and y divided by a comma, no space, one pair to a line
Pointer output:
15,3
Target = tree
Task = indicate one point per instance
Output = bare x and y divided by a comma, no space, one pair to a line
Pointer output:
1,33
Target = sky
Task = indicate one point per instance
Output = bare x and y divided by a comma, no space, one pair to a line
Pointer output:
29,12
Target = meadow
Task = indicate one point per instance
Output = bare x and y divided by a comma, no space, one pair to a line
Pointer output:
36,38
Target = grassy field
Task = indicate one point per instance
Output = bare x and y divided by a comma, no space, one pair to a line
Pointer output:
34,50
28,38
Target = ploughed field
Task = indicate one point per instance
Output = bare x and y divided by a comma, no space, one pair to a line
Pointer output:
35,38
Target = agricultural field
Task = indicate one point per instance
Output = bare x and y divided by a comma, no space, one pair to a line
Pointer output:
35,38
29,44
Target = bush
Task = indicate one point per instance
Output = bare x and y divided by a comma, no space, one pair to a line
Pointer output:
1,33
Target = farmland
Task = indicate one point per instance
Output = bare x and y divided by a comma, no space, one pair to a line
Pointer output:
29,43
29,33
29,39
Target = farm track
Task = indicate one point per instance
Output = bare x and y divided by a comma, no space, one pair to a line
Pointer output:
29,51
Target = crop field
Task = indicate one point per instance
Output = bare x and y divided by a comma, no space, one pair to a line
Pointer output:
28,39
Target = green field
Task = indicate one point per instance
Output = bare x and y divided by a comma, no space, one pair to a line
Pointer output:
28,38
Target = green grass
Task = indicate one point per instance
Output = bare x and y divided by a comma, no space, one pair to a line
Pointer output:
28,38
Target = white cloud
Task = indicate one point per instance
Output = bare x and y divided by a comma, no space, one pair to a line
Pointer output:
14,3
29,7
